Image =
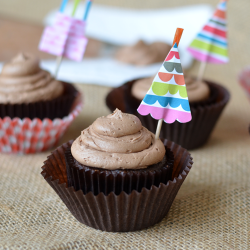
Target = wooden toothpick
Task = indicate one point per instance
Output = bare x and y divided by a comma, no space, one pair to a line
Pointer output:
201,71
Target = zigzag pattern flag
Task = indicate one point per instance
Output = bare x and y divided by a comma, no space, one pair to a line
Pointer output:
167,97
210,45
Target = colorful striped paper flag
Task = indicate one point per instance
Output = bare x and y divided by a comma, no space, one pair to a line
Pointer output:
167,97
210,45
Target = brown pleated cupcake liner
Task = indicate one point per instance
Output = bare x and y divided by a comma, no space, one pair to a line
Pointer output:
51,109
189,135
123,212
97,180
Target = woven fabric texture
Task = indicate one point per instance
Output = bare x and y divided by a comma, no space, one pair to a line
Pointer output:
212,208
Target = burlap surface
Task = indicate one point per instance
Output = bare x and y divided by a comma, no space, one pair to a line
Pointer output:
211,211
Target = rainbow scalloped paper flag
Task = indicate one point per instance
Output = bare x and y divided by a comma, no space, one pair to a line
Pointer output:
167,97
210,45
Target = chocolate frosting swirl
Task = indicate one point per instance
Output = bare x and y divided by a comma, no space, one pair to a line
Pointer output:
141,87
196,90
117,141
22,81
142,53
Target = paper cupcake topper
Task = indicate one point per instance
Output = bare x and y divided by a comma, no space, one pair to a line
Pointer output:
66,37
54,37
167,97
76,42
210,45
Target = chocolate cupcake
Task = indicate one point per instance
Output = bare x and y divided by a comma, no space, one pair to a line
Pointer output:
116,153
26,91
35,109
116,177
207,100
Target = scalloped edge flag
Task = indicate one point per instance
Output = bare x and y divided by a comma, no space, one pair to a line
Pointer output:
167,97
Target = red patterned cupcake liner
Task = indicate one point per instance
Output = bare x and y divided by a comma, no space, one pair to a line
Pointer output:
36,135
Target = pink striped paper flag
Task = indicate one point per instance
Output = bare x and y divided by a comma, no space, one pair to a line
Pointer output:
54,37
76,42
65,38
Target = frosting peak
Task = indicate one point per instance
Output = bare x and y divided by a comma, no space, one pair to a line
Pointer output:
117,124
142,53
197,90
117,141
21,65
22,81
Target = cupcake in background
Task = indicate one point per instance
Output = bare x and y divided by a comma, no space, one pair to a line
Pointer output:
35,109
27,91
197,90
118,176
143,54
207,101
